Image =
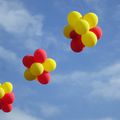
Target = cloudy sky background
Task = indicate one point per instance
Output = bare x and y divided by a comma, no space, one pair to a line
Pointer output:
84,86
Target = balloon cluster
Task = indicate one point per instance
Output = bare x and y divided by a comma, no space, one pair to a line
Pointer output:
6,96
38,66
83,30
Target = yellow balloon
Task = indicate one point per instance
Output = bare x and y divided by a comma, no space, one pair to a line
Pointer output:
67,30
36,69
73,17
92,19
7,86
89,39
49,64
2,92
28,75
81,27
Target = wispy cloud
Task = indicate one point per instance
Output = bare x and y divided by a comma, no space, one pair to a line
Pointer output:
27,28
104,83
105,118
108,118
49,110
8,55
14,18
18,114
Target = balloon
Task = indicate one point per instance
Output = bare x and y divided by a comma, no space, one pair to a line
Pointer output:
92,19
67,30
81,27
98,32
28,60
40,55
8,87
49,65
36,69
76,45
89,39
1,104
2,92
28,75
73,17
44,78
8,98
7,107
40,67
74,35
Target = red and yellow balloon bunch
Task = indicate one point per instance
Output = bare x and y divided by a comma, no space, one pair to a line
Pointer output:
7,97
38,66
83,30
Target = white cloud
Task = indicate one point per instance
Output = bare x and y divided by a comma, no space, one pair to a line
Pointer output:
49,110
8,55
11,58
17,114
26,27
104,83
108,118
43,42
108,90
14,18
108,85
105,118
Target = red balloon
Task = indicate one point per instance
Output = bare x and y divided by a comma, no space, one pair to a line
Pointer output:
7,107
74,35
44,78
28,60
8,98
76,45
40,55
0,104
98,32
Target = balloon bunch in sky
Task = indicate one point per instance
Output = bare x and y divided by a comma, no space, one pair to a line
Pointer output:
83,30
38,66
6,96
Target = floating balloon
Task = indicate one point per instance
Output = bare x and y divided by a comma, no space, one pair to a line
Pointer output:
2,92
28,60
7,107
74,35
73,17
0,105
49,65
98,32
8,87
89,39
40,68
44,78
84,31
67,31
92,19
81,27
40,55
8,97
76,45
36,69
28,75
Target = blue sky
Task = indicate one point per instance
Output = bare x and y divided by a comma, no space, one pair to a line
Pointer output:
84,86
